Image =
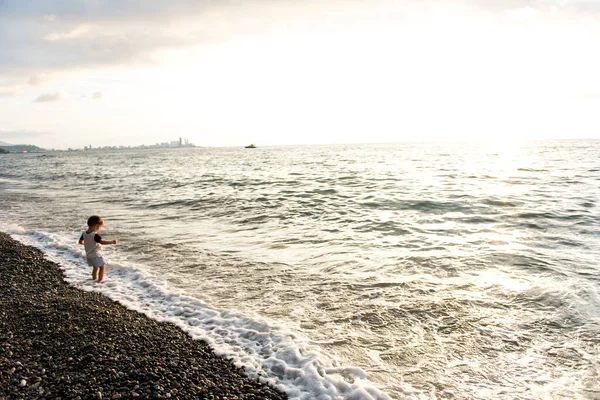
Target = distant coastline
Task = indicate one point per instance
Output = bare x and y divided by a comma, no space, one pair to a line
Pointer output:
21,148
29,148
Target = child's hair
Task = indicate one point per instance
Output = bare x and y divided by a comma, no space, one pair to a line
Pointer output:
95,220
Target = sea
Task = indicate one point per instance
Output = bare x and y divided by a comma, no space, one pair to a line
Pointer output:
464,270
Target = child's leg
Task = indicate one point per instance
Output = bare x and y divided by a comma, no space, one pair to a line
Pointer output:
101,274
95,273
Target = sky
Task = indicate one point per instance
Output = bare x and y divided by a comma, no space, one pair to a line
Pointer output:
278,72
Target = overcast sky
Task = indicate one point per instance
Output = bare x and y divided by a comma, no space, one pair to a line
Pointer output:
229,73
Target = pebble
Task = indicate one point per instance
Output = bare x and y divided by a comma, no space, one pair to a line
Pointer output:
65,340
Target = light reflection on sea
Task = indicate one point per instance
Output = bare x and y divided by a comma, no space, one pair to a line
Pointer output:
457,270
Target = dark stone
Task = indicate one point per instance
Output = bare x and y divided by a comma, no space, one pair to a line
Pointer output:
67,343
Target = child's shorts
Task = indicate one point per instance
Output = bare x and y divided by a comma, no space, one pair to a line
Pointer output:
96,261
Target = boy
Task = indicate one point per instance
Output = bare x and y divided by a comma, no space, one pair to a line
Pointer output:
93,246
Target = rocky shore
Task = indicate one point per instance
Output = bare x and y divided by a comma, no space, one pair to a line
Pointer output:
59,342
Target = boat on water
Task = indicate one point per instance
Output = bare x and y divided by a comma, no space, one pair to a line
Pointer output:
250,146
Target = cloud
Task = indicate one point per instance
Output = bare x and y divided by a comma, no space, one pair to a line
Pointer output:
584,5
48,97
38,79
590,96
507,5
522,13
102,10
9,87
97,95
78,31
46,36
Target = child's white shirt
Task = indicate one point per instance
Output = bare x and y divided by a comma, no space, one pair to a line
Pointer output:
91,242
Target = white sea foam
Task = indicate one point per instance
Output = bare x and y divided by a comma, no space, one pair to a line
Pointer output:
266,351
448,268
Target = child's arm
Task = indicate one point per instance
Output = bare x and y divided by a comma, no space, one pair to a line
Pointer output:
108,242
81,239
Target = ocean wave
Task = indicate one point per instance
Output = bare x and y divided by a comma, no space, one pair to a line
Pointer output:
311,241
266,352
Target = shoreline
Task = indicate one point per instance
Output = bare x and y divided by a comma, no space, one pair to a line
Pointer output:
57,341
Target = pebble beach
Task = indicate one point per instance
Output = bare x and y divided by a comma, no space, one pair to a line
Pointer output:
57,341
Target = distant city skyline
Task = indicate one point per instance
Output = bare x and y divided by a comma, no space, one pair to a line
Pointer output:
83,72
181,143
